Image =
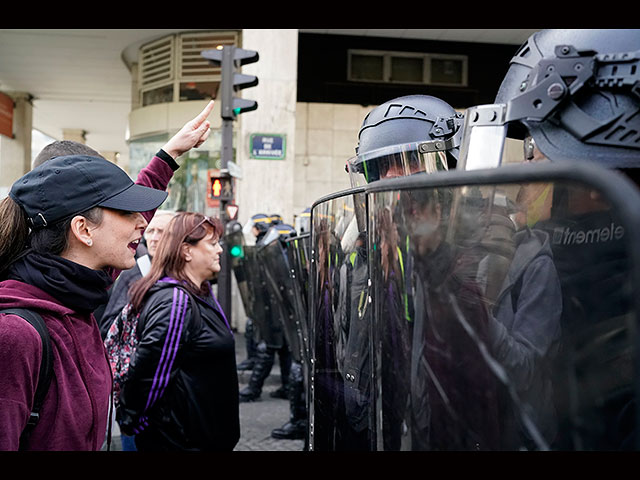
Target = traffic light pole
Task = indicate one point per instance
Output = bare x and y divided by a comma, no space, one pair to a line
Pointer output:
229,58
224,277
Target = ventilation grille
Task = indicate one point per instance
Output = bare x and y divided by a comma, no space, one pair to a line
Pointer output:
155,65
192,66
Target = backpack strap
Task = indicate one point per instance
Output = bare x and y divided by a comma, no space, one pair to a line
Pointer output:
46,368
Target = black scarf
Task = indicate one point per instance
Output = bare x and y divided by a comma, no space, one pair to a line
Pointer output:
75,286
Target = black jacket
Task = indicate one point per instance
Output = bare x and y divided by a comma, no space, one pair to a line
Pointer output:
182,388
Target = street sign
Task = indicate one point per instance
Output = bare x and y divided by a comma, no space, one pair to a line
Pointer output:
232,211
234,169
268,146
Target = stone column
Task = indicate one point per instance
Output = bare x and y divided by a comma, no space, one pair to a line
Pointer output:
267,185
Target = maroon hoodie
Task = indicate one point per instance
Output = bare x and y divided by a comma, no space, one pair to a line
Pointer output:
75,410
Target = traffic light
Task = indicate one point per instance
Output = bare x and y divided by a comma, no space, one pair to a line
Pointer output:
229,58
220,186
236,251
234,240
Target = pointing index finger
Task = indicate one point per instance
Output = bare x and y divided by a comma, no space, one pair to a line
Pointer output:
204,114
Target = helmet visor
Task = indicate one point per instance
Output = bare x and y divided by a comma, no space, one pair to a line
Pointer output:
489,142
261,222
395,161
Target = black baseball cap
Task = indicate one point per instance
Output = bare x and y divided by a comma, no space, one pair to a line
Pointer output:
68,185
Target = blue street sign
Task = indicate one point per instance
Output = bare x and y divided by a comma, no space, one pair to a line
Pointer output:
268,146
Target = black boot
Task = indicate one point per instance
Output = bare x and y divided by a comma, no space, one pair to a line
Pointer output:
250,343
280,393
296,427
261,370
291,431
248,395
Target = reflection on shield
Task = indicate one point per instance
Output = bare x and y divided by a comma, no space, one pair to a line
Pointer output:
281,289
468,314
341,406
297,253
251,283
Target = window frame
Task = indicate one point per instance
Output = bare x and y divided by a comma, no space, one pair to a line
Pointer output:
387,57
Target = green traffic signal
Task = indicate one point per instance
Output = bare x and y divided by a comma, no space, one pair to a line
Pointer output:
236,251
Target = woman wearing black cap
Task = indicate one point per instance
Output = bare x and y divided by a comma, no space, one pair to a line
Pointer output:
67,228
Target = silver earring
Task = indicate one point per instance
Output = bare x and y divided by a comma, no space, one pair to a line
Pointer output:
89,242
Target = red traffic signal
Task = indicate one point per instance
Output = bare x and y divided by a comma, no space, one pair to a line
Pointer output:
216,188
220,186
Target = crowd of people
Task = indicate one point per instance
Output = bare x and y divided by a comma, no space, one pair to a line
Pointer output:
105,270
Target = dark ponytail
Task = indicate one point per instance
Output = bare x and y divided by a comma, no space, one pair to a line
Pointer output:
14,232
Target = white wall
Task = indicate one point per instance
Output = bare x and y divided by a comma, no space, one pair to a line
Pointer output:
326,137
267,186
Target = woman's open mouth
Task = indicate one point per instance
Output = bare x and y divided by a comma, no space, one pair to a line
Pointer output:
134,245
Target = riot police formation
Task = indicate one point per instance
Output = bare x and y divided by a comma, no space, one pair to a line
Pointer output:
486,297
268,332
272,280
279,257
257,225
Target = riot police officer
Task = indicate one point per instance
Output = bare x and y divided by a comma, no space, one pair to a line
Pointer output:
269,335
572,96
409,135
404,136
257,225
275,219
280,284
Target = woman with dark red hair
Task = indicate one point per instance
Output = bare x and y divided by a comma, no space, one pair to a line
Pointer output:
181,390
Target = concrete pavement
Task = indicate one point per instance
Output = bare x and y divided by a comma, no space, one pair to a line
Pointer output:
257,419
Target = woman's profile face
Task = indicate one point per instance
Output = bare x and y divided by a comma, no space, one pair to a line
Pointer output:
205,258
116,239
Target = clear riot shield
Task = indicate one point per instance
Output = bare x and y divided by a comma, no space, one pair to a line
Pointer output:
283,293
242,272
489,330
297,251
250,280
341,408
269,327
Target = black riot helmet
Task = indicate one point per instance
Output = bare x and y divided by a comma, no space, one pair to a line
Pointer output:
275,219
575,92
260,221
406,135
279,231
